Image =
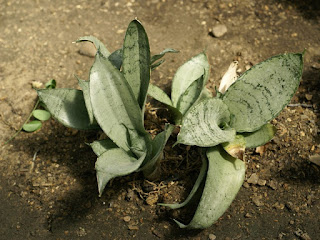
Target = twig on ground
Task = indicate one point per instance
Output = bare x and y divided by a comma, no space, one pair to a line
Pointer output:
300,105
20,129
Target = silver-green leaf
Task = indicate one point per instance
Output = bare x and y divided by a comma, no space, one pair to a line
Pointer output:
263,91
115,162
158,94
189,97
114,105
86,94
205,124
116,58
260,137
189,72
68,107
158,145
136,61
101,146
224,178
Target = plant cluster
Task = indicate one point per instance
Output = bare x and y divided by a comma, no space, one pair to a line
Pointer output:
222,126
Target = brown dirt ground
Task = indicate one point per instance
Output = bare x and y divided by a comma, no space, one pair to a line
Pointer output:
55,196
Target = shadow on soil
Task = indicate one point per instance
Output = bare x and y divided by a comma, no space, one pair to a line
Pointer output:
71,152
310,9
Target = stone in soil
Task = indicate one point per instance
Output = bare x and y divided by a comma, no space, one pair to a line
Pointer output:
254,178
257,201
219,30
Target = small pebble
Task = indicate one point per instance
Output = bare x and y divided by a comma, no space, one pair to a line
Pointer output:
36,84
257,201
81,232
315,159
133,227
316,66
302,235
262,182
120,31
308,97
254,178
273,184
219,30
130,195
127,218
212,236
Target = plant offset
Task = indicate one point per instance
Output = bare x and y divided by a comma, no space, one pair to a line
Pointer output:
113,100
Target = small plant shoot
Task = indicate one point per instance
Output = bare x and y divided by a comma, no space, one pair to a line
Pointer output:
113,99
39,116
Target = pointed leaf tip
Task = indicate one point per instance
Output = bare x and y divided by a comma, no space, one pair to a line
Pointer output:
136,61
263,91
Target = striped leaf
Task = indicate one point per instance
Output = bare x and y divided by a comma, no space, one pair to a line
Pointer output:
205,124
101,146
116,58
68,107
189,97
158,145
136,61
187,74
86,94
115,162
263,91
224,178
114,105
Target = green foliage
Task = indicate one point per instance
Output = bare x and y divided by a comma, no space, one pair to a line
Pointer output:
263,91
67,106
32,126
224,178
260,137
187,86
201,125
42,115
38,114
136,61
235,119
113,99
